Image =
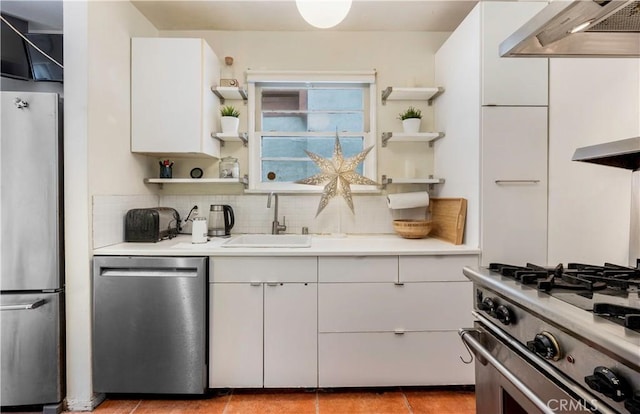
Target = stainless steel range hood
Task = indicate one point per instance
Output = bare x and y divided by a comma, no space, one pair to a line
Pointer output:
623,154
612,30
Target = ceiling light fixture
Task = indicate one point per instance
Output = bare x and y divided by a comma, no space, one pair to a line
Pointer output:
323,13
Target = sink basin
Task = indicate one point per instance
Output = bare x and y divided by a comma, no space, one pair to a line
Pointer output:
269,240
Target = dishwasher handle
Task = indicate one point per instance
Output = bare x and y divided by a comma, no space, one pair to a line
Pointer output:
148,272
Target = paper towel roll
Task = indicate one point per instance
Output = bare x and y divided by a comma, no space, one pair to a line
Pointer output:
408,200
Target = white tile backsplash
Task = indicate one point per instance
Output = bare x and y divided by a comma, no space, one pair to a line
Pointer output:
372,216
109,212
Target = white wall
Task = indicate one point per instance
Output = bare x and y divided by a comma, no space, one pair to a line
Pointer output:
97,158
591,101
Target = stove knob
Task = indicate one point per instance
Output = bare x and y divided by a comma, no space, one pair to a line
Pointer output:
633,404
504,315
545,345
608,383
487,305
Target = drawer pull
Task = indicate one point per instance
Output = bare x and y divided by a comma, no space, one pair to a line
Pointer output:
255,283
272,283
399,332
398,283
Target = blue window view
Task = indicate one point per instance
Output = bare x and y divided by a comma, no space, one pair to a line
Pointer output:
302,111
285,156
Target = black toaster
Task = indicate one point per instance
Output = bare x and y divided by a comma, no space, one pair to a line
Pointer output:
151,224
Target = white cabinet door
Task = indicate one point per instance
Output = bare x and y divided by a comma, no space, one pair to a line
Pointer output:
434,268
173,110
235,335
350,269
387,359
510,81
290,335
376,307
514,185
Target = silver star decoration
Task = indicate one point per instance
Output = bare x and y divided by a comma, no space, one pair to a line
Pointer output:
340,174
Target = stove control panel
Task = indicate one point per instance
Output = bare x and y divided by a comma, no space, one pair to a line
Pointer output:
545,346
494,309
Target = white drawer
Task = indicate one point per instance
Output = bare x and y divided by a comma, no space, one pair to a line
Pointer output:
434,268
386,359
263,269
358,269
374,307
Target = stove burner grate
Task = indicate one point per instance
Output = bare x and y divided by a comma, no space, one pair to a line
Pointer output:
576,276
627,316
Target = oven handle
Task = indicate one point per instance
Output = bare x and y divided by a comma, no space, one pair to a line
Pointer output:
477,348
539,363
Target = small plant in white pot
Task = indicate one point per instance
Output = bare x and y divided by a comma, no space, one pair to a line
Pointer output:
411,120
229,120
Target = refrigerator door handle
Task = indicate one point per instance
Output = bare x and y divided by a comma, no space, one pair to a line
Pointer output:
23,306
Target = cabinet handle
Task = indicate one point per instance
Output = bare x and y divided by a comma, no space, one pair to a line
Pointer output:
272,283
399,332
255,283
517,181
398,283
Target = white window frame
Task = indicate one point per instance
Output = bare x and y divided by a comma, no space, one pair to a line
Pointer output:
331,77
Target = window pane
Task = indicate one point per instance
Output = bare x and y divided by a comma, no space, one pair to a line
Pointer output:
293,169
288,170
284,123
294,147
335,100
327,122
304,109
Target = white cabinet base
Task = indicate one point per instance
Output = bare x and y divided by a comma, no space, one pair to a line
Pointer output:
387,359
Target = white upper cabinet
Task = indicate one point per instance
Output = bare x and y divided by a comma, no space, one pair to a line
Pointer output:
173,110
510,81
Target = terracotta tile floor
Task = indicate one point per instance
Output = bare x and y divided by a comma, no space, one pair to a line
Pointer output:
333,401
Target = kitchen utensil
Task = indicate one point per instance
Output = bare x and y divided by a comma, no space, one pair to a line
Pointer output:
412,229
448,216
221,220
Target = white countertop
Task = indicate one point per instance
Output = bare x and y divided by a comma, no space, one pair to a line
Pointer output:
321,245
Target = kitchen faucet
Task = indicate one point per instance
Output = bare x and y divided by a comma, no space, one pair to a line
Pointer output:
276,227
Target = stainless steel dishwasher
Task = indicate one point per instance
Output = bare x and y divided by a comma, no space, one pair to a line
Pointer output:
149,324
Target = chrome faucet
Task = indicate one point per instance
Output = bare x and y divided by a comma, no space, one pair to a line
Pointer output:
276,227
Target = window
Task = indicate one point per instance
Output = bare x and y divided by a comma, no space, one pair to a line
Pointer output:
293,116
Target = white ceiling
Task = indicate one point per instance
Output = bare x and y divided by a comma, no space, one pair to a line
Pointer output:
282,15
277,15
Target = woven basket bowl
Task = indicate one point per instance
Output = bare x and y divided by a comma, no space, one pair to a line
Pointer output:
412,229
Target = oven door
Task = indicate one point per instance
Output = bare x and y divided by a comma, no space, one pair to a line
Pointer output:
508,382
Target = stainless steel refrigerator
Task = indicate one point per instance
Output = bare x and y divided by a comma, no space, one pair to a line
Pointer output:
31,282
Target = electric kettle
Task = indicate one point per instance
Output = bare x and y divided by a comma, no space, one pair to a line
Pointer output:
221,220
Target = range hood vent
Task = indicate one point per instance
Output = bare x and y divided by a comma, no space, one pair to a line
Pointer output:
612,30
622,154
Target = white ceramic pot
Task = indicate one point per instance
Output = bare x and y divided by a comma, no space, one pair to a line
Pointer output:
411,125
229,124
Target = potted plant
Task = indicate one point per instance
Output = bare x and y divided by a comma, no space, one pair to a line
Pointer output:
411,119
229,120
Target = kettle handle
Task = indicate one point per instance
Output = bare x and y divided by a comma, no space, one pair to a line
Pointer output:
229,211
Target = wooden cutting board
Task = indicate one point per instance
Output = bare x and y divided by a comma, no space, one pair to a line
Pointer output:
448,216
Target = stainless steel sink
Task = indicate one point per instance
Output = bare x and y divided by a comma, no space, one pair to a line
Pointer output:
269,240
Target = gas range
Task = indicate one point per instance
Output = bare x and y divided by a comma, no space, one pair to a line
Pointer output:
609,290
576,326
